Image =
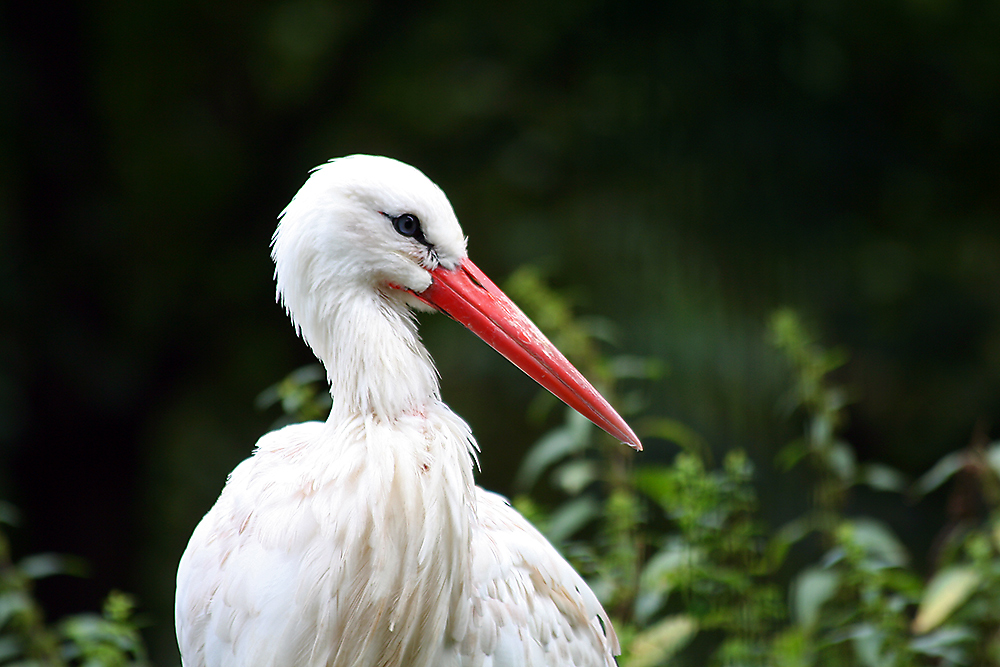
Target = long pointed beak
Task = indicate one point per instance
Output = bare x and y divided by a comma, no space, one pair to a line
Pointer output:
468,296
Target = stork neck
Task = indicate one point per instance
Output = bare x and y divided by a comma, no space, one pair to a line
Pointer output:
373,357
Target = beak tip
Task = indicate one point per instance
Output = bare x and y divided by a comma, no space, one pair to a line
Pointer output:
632,441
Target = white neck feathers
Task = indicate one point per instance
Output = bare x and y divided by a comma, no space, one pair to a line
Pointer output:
373,356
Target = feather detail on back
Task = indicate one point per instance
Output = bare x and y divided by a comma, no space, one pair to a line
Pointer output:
333,558
350,557
530,607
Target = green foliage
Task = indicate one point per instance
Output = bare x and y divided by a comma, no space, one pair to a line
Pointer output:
716,561
680,555
303,396
687,163
108,639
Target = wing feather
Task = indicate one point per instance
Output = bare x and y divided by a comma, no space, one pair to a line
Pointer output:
277,574
530,606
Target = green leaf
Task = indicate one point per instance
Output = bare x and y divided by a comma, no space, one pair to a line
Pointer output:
36,663
868,640
304,375
10,647
944,643
947,590
789,455
658,576
675,555
942,471
842,461
813,588
13,603
661,641
880,544
600,328
574,476
657,482
674,431
786,536
993,456
882,477
9,515
627,366
571,516
40,566
573,436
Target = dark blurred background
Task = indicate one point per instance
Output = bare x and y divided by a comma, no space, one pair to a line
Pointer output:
683,168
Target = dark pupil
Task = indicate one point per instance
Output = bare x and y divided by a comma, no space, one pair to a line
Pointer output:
407,224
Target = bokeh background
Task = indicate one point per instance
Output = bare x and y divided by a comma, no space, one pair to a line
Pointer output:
681,168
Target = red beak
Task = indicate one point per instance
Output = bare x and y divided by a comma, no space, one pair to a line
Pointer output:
467,295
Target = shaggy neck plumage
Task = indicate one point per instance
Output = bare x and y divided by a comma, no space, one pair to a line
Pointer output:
401,465
374,360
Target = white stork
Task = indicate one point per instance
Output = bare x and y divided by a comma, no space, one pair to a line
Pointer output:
363,540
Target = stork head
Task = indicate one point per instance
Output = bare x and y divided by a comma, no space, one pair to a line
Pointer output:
373,227
362,222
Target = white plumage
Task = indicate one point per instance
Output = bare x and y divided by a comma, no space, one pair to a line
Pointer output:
363,540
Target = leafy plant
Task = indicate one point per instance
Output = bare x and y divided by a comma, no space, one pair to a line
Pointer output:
109,639
680,556
711,581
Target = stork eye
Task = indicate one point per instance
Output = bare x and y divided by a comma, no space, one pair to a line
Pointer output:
407,225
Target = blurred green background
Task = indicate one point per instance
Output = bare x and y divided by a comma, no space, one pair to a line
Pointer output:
681,168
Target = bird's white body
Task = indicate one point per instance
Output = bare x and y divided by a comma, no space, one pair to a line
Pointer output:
376,552
363,540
